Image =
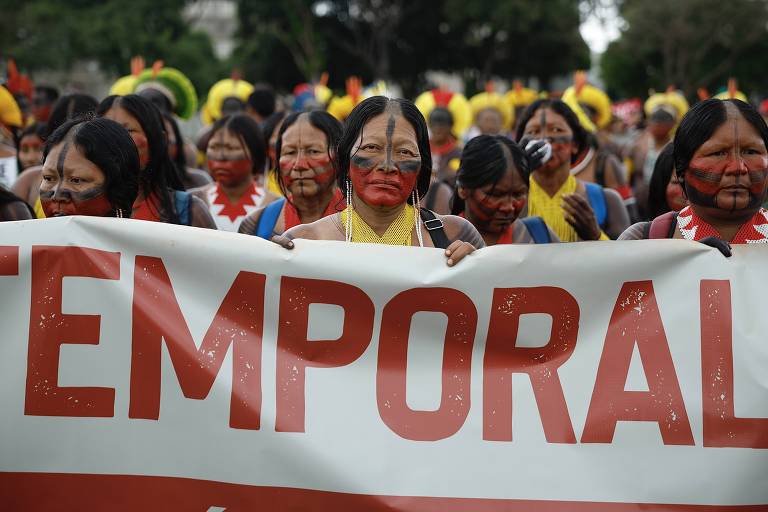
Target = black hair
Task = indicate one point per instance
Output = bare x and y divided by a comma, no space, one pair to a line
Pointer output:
158,99
181,158
268,127
364,112
70,106
484,162
661,115
51,93
561,108
321,120
160,175
232,105
249,133
441,116
657,188
700,123
110,147
262,101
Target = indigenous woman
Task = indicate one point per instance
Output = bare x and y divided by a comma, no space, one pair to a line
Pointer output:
665,192
236,156
190,177
305,173
721,158
91,168
384,165
67,107
160,197
575,210
446,153
30,146
270,129
491,192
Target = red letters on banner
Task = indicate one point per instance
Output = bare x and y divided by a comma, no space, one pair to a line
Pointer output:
9,260
722,428
295,353
157,317
502,359
49,329
239,322
456,366
636,320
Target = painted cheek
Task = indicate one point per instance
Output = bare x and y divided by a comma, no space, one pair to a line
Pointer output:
92,203
674,195
480,210
286,165
143,146
230,172
324,172
519,204
379,188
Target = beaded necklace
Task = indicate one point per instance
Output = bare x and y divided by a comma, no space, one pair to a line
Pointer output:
398,233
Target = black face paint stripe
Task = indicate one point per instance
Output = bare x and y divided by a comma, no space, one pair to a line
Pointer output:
62,158
390,132
362,162
409,166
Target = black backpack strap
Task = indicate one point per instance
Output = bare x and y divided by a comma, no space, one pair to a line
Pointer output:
435,227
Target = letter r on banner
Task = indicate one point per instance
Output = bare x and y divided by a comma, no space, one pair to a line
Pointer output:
49,329
295,353
502,359
157,317
457,363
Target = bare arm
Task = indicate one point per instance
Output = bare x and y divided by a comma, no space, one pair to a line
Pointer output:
618,218
199,215
16,210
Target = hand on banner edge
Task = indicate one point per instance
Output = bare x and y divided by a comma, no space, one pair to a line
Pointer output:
283,241
719,244
457,251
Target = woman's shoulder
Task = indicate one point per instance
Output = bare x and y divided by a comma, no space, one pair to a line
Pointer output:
196,178
459,228
250,223
202,192
637,231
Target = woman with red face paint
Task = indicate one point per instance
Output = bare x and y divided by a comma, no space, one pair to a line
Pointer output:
70,106
721,158
236,156
492,190
665,192
161,197
90,168
305,174
575,210
30,146
384,166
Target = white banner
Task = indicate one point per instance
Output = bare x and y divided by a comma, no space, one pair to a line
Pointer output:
157,367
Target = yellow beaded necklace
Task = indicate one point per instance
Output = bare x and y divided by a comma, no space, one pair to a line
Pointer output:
549,209
398,233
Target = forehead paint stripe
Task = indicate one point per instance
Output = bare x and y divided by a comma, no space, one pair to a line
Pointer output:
62,158
390,132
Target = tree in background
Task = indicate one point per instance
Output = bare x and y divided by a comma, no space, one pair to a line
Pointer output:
688,44
46,34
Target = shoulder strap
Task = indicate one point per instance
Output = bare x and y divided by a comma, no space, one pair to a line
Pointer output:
182,200
596,199
268,219
663,226
435,227
537,229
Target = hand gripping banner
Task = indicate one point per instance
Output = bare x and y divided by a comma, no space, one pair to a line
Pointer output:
146,366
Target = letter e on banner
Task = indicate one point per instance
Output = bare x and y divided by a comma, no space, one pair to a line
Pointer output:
502,359
49,329
295,352
722,429
456,367
239,322
636,320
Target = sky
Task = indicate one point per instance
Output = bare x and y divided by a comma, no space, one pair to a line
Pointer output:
598,33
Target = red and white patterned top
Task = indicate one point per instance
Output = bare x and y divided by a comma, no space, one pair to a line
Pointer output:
228,216
692,227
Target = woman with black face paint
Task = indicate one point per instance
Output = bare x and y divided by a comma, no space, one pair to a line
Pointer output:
90,168
721,158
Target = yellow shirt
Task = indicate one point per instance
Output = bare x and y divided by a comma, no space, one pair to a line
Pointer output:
540,204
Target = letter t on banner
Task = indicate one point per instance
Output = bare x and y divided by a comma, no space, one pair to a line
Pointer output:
295,352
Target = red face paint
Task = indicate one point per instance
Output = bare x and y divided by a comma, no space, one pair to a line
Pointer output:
378,187
676,200
62,201
735,183
230,172
30,151
492,214
143,146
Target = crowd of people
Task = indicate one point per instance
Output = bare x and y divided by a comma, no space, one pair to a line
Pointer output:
442,171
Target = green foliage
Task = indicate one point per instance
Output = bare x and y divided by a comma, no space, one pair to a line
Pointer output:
688,44
49,34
